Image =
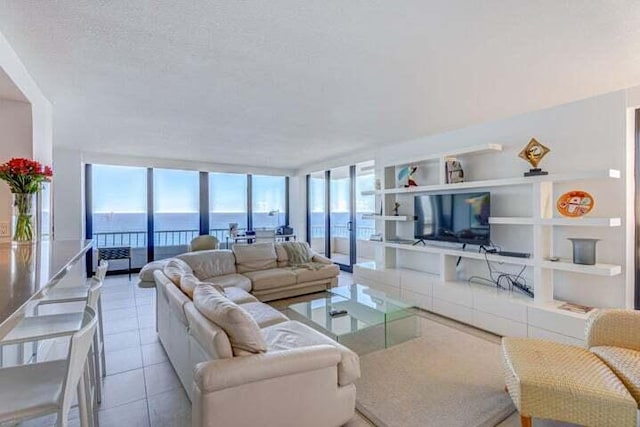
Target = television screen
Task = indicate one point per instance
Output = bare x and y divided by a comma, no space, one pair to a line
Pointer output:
461,218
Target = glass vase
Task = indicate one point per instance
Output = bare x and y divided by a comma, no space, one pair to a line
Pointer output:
23,219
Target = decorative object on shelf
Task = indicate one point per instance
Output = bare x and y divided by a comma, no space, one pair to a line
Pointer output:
25,178
584,250
396,205
380,211
533,153
378,185
575,203
575,308
454,172
406,176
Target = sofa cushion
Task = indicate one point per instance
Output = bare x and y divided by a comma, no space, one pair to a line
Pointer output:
258,256
210,263
188,283
235,280
328,271
291,334
175,268
244,333
239,296
211,337
270,279
146,273
264,314
283,257
625,363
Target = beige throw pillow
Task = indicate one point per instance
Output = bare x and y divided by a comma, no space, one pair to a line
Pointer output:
258,256
175,268
243,331
189,282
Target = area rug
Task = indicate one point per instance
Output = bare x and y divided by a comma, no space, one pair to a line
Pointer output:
447,378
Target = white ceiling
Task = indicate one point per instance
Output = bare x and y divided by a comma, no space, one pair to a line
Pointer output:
285,82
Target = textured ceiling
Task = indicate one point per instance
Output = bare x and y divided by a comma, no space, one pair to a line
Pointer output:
282,83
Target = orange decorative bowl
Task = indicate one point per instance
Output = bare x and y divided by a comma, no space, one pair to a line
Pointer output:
575,203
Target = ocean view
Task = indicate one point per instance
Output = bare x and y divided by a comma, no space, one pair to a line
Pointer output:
163,222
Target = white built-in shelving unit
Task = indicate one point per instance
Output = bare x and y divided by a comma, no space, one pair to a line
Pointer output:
500,311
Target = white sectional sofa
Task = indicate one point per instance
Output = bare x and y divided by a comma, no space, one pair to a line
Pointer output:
296,377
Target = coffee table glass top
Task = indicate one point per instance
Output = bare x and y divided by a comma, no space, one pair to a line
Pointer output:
372,319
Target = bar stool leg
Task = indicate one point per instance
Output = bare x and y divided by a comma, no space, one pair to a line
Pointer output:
100,349
82,400
96,369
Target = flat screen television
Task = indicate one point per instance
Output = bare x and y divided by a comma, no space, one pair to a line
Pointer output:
458,218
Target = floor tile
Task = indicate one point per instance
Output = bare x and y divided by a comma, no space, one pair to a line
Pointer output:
134,414
148,335
146,310
160,378
145,300
120,313
122,388
120,325
153,353
170,409
114,304
147,321
121,340
123,360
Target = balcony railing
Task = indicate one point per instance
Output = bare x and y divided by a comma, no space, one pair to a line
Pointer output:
138,239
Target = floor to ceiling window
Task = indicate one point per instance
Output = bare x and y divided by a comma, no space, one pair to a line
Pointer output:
317,211
126,205
227,203
176,211
268,201
118,211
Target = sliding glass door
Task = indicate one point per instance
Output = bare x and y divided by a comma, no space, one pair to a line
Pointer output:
336,223
341,231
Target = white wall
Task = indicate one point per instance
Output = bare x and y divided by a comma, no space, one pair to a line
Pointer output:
15,125
583,135
25,128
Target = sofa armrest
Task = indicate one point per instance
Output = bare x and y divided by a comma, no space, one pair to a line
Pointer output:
615,328
321,259
221,374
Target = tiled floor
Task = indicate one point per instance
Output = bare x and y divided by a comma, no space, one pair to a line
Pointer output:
141,388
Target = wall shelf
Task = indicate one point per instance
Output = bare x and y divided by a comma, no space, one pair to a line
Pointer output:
488,308
576,222
597,269
578,176
432,249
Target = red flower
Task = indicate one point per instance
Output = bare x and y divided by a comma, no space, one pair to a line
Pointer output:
25,175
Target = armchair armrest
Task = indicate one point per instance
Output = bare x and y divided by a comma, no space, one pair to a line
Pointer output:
221,374
321,259
615,328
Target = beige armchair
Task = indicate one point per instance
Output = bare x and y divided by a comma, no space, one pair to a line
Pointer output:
614,336
203,243
598,385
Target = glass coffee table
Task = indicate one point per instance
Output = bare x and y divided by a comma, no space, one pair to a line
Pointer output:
367,319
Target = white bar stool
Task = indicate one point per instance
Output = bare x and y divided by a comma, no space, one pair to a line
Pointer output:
38,328
38,389
64,295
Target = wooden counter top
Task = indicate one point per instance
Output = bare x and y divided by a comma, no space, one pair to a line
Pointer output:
25,270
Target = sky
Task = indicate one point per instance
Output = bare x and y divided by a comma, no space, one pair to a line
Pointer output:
123,189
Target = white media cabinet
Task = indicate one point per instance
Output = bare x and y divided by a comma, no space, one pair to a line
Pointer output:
508,313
